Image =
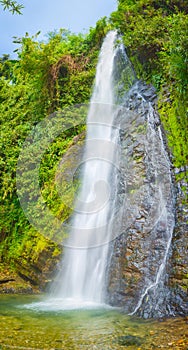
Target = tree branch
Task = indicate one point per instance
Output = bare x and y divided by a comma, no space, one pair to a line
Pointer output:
11,6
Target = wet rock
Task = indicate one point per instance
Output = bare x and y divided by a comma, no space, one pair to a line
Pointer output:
11,283
148,211
177,270
7,280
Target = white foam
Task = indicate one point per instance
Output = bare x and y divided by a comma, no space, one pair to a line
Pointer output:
59,304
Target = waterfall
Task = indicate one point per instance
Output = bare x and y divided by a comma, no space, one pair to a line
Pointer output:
82,279
122,225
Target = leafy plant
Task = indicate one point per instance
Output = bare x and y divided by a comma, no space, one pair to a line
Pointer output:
12,6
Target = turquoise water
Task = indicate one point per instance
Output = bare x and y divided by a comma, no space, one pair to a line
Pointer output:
99,328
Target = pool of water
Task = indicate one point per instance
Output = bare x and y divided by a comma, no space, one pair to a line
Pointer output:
28,322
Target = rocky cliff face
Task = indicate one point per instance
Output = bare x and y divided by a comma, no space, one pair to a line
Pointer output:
145,256
178,271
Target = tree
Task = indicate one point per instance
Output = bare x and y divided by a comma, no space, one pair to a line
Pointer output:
12,6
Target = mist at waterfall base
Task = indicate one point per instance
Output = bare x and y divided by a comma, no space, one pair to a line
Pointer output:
103,210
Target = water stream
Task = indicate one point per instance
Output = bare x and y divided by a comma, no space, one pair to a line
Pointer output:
85,256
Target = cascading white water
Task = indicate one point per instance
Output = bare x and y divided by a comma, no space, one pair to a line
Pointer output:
85,257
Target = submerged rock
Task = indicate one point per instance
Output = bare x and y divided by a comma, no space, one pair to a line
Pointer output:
129,340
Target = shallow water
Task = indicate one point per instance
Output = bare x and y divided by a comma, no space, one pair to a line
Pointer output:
24,327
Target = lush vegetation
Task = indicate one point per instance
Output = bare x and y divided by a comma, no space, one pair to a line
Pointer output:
155,34
46,78
52,75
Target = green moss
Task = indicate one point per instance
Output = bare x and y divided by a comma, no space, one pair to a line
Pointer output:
141,129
